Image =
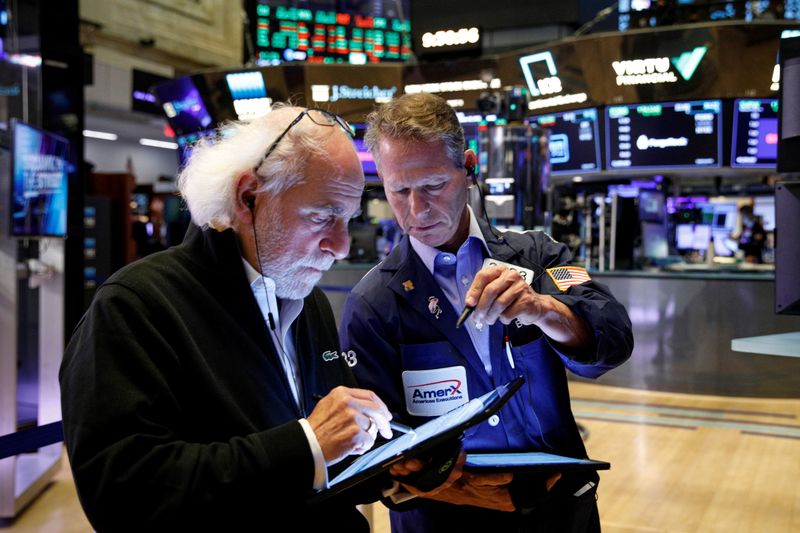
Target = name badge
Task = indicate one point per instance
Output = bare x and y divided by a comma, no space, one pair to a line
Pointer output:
435,392
526,273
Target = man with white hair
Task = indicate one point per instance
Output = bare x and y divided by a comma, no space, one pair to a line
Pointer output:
204,389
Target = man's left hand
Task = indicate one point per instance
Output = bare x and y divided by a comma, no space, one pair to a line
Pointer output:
487,490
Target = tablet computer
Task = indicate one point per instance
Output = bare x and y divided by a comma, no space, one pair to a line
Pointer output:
423,438
493,463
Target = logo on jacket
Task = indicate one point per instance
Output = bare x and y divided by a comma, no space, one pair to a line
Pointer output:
408,285
330,355
435,391
446,390
350,358
433,306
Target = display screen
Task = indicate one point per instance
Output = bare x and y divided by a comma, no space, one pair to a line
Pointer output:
755,133
364,155
40,177
322,31
692,237
183,105
664,135
574,141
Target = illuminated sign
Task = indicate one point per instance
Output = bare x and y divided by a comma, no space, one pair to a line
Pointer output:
655,70
549,84
333,93
453,86
450,37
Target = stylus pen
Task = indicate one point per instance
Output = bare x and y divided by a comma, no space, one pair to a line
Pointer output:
400,428
464,315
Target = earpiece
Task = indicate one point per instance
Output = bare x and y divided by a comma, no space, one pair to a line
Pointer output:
250,203
470,170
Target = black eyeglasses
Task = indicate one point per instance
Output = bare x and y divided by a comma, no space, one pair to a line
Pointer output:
320,117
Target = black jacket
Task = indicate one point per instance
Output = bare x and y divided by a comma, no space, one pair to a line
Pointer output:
177,412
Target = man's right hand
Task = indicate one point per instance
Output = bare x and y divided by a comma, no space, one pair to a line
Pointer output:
347,421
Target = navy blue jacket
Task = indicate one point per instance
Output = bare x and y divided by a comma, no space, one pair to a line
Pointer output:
387,324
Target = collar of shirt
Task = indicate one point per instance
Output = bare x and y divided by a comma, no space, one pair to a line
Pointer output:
284,314
428,253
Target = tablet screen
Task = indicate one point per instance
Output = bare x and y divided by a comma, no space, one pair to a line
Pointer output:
529,461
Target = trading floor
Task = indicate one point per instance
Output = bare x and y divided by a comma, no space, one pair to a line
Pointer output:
679,463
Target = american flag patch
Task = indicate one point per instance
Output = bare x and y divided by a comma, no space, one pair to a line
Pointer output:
566,276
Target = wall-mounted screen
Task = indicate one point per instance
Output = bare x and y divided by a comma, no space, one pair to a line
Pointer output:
664,135
755,133
328,31
183,105
364,155
39,170
574,141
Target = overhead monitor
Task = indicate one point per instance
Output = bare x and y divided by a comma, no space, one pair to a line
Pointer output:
328,31
39,174
182,103
664,135
574,141
248,94
755,133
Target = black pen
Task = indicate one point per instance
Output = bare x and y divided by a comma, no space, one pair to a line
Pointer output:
400,428
464,315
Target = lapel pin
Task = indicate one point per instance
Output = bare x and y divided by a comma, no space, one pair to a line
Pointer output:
433,306
408,285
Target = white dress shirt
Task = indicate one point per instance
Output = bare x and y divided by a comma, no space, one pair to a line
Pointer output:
282,317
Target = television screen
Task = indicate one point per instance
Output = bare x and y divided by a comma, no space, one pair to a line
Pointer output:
692,237
39,170
328,31
364,155
664,135
755,133
248,94
183,105
787,248
574,141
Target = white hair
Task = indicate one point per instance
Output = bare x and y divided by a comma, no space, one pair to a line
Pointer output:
208,181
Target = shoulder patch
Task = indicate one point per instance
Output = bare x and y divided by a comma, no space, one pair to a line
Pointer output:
566,276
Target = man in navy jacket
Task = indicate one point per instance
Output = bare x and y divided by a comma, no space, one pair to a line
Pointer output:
534,314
